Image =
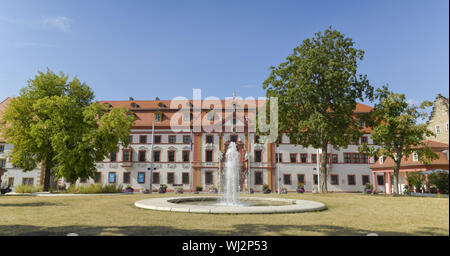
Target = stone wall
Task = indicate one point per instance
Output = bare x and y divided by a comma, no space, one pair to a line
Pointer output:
439,118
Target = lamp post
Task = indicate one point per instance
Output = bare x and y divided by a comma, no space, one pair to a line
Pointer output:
318,170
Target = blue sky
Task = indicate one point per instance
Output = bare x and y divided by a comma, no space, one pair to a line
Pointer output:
144,49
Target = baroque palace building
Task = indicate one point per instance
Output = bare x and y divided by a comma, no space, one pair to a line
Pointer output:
195,156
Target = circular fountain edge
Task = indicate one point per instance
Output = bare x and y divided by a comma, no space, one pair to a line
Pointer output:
165,204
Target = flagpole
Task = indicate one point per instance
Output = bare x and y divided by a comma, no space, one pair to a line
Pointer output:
151,157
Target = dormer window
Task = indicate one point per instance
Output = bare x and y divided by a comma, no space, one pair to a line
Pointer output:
158,117
134,105
161,105
415,157
186,117
210,116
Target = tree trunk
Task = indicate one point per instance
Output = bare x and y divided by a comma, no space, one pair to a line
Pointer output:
395,181
323,170
47,177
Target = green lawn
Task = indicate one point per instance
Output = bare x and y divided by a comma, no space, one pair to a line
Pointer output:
347,214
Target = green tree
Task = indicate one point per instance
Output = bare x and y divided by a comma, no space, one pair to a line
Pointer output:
317,90
55,123
396,131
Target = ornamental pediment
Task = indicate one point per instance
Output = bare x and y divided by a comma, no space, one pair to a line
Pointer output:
172,148
209,146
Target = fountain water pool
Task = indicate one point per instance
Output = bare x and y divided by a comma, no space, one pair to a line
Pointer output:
230,202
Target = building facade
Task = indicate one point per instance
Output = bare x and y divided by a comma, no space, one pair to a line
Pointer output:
189,159
194,156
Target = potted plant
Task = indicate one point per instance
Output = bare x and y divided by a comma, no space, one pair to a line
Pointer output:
368,189
433,189
162,189
212,189
283,190
4,188
198,189
179,190
266,189
252,191
129,189
300,188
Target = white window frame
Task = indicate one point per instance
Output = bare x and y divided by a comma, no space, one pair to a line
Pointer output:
382,160
415,157
438,129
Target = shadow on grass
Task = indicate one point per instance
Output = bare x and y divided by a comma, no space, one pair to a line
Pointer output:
238,230
34,204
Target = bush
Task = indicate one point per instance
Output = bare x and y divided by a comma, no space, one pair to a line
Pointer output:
199,188
94,189
27,189
440,180
416,179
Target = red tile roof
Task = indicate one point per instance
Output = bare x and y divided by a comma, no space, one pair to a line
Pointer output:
437,147
146,109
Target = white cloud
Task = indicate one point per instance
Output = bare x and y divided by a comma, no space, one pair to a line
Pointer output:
62,23
413,102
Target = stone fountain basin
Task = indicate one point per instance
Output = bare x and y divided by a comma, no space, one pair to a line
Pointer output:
188,204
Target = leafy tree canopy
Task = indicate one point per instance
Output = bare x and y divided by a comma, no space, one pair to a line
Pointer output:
54,122
395,127
317,89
